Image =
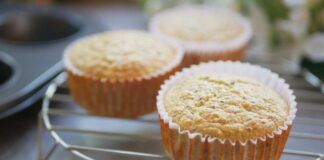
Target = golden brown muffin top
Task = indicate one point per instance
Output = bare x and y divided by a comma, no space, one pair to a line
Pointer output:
201,25
225,106
121,55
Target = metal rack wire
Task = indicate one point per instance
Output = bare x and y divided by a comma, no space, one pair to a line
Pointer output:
91,137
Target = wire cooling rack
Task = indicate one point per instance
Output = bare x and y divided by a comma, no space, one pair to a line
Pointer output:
91,137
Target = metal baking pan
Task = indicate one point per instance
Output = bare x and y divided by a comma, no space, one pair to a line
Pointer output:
32,40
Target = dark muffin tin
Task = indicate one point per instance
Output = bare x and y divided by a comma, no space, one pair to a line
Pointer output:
30,26
32,40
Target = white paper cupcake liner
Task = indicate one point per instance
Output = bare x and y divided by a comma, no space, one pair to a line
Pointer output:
125,98
184,145
203,52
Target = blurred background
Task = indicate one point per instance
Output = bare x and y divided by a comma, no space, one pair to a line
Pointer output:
289,34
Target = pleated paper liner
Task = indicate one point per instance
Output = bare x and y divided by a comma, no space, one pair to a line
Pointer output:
126,98
196,52
198,57
184,145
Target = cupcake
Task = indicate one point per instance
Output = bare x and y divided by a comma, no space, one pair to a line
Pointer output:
206,33
118,73
225,110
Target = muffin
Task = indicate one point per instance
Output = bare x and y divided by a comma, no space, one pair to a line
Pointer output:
221,110
206,33
118,73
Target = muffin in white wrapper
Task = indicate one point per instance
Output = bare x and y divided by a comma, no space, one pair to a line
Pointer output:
127,97
205,49
182,144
